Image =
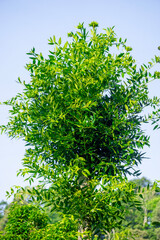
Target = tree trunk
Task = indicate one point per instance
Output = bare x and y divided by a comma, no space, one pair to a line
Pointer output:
83,181
81,230
86,225
145,216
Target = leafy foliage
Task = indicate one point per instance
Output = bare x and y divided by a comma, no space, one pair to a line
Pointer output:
133,227
81,117
22,219
65,229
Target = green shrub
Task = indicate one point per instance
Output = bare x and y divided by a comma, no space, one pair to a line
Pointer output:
22,219
62,230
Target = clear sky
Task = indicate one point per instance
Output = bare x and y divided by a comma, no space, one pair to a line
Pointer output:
28,23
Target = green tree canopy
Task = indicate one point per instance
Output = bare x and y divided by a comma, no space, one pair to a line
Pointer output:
81,117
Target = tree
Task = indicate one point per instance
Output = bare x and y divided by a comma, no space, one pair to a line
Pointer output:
3,205
22,220
81,117
3,214
141,182
147,191
144,222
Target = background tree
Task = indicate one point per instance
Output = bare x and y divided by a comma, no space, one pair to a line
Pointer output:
3,214
149,197
146,193
22,220
81,117
3,205
141,182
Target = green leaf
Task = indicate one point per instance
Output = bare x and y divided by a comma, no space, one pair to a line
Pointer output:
126,107
121,55
141,196
54,39
156,126
59,41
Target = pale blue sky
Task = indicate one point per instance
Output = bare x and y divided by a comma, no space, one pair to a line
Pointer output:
28,23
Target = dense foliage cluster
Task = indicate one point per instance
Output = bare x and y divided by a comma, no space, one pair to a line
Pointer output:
22,219
81,117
